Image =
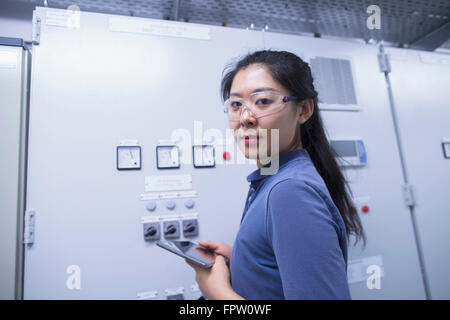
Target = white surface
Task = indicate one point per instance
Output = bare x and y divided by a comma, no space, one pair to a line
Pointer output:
422,99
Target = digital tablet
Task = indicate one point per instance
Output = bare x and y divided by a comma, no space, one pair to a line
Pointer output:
191,251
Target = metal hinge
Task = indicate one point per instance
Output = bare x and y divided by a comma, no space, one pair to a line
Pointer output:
28,230
383,60
408,195
36,31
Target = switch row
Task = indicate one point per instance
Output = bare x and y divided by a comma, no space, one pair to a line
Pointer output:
170,229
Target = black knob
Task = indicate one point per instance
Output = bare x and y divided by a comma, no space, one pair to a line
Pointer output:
190,227
171,229
151,232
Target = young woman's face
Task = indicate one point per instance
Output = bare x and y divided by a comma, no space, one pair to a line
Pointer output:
248,134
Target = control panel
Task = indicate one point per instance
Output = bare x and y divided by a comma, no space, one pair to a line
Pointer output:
350,151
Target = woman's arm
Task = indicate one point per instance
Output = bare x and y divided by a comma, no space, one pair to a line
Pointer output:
306,240
214,282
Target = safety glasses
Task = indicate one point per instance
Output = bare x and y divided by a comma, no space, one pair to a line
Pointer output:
259,104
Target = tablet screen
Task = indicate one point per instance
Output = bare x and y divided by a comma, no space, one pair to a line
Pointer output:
193,250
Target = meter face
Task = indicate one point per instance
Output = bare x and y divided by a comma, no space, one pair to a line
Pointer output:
167,157
203,156
128,157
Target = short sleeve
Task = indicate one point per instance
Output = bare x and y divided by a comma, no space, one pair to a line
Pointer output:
305,240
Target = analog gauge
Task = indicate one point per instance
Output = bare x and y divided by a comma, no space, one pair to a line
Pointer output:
167,157
128,157
203,156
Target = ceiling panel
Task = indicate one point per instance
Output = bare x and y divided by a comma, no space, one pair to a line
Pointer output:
402,21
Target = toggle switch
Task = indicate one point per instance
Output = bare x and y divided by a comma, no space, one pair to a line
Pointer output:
190,228
171,229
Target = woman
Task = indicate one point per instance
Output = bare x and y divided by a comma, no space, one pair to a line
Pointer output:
292,241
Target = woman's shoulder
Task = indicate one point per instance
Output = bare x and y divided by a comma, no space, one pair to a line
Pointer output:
297,199
299,189
299,174
300,183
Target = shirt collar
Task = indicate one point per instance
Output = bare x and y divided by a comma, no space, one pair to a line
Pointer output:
283,159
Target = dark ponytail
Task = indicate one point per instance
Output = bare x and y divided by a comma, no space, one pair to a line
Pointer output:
295,75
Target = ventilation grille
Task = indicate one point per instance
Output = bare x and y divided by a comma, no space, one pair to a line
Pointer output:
334,81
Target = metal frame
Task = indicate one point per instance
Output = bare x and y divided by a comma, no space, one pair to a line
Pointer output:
22,174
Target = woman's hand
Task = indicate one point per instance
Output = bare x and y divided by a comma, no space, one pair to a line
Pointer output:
218,247
214,282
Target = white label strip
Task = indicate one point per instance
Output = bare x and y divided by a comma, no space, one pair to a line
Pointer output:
170,292
193,215
148,219
169,217
168,183
63,18
168,195
129,142
147,295
187,216
358,269
170,29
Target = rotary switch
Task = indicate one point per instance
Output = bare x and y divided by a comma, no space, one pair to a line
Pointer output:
151,232
171,229
190,228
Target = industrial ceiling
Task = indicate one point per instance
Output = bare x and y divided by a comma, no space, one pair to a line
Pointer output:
422,24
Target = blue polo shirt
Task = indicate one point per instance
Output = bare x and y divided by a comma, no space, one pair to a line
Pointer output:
292,241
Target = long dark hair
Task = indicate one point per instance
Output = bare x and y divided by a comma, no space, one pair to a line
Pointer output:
295,75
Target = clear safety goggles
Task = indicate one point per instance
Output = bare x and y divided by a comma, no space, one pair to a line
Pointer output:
258,104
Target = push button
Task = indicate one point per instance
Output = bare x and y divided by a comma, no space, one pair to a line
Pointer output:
170,205
189,204
151,206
